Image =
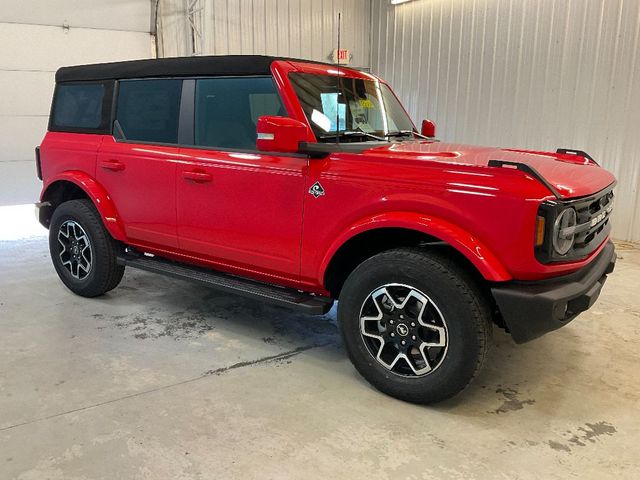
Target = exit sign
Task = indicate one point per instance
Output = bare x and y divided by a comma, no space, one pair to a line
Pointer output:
342,56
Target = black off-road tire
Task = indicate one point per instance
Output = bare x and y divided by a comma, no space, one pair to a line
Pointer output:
104,274
458,299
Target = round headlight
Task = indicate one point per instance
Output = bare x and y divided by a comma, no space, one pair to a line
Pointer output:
563,240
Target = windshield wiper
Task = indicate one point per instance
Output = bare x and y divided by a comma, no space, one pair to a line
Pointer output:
355,133
404,133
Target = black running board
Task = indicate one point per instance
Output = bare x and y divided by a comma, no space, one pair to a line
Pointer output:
288,297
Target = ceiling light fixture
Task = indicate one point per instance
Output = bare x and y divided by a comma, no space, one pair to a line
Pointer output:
398,2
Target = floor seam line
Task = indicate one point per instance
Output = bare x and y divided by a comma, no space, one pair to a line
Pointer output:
206,374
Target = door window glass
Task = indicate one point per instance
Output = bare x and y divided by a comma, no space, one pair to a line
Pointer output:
148,110
227,110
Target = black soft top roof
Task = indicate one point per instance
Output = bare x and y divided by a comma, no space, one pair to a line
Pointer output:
220,65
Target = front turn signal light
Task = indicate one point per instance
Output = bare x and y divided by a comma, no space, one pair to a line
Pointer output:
540,224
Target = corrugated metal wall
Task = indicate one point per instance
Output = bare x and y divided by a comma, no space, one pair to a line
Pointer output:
537,74
295,28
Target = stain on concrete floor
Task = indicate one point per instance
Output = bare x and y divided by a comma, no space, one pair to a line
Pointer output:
578,437
511,400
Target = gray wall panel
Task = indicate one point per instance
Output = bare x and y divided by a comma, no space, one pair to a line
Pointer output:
122,15
295,28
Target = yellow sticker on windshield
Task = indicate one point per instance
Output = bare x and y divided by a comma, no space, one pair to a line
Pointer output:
366,103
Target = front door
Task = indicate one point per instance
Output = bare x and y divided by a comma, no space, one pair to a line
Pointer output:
236,206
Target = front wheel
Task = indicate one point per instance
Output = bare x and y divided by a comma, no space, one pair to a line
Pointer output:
82,251
414,324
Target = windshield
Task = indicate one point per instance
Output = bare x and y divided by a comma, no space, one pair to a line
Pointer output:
340,107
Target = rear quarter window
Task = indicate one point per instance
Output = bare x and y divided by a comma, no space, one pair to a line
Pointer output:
81,108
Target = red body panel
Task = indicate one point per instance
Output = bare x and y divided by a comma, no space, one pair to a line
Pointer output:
247,213
141,181
251,213
69,151
487,214
572,176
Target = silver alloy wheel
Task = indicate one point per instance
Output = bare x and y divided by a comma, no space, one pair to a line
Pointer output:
404,330
75,254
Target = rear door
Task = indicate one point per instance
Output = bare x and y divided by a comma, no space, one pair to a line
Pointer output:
137,165
236,206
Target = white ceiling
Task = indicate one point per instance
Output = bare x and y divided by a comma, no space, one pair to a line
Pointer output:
129,15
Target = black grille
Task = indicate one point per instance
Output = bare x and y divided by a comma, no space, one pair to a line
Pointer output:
593,211
590,211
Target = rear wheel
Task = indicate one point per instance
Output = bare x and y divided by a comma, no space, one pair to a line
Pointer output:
83,253
415,324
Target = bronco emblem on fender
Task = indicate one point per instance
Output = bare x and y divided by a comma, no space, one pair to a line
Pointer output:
316,190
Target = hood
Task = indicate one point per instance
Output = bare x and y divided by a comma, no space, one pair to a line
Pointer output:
571,175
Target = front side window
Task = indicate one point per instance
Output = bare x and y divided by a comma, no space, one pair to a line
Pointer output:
341,106
148,110
227,110
78,106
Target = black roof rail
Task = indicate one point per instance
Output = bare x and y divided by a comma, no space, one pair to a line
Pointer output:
523,167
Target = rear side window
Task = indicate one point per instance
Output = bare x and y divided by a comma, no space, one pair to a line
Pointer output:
148,110
227,110
81,107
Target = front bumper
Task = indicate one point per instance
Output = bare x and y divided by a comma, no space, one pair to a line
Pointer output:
531,309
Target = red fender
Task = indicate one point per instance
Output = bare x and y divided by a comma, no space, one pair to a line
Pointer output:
98,195
487,263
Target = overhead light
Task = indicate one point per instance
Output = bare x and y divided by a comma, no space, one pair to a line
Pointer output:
398,2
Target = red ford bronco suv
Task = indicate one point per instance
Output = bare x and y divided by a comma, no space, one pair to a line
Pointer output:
302,183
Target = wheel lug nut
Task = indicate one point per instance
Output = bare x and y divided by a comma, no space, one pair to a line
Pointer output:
413,324
391,322
393,334
413,337
401,316
403,342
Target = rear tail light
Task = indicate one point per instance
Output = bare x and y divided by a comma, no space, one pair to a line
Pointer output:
38,166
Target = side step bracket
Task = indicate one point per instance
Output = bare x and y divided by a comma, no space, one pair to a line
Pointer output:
288,297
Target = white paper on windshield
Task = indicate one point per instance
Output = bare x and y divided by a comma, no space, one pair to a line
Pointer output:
360,116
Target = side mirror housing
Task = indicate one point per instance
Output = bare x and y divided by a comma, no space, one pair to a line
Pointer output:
428,128
280,134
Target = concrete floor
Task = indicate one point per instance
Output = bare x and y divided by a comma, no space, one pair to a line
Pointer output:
162,379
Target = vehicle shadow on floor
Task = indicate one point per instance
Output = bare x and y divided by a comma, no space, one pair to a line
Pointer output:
149,306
